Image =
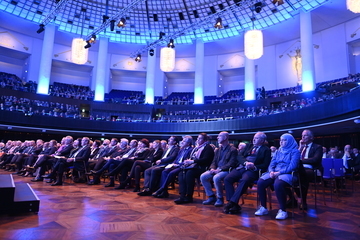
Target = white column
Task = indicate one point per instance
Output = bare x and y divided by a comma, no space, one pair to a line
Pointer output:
46,60
102,70
307,52
150,78
199,73
249,79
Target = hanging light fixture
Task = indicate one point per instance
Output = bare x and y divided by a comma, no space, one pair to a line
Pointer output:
353,5
80,49
79,53
253,42
167,59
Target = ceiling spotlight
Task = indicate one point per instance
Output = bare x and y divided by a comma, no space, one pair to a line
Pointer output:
93,39
122,23
218,24
112,25
138,58
151,52
171,44
41,28
279,2
161,35
258,6
88,45
353,35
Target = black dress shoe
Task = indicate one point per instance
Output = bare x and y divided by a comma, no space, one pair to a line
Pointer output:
183,200
50,181
145,192
95,172
136,189
110,185
227,207
57,184
37,180
162,195
303,206
93,183
158,192
235,209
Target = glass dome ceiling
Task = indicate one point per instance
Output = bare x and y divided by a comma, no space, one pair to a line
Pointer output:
184,20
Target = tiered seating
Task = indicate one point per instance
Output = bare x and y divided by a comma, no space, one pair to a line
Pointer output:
125,97
17,197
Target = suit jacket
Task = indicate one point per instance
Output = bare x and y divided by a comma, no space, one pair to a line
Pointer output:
110,150
171,156
314,156
48,151
206,157
83,154
185,153
120,152
65,151
357,162
141,155
94,153
154,156
263,157
230,158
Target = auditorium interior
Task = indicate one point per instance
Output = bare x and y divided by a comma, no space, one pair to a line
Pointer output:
154,69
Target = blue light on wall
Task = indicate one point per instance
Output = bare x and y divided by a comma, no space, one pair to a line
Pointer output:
307,81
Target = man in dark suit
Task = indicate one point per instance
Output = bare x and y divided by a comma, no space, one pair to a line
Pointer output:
152,175
64,150
78,159
356,164
311,159
170,172
256,157
200,159
103,157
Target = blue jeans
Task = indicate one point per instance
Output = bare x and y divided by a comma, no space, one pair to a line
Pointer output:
218,178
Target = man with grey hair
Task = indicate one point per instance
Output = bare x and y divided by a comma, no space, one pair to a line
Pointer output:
256,157
224,159
170,172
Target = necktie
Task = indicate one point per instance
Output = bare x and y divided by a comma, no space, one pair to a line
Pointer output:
303,152
254,150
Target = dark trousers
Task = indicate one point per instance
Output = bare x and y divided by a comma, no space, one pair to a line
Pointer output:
244,177
168,176
138,167
152,177
187,181
280,187
123,168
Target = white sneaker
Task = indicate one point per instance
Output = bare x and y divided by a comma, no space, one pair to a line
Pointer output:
281,215
261,211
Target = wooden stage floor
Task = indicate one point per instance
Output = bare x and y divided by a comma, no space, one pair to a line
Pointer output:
78,211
